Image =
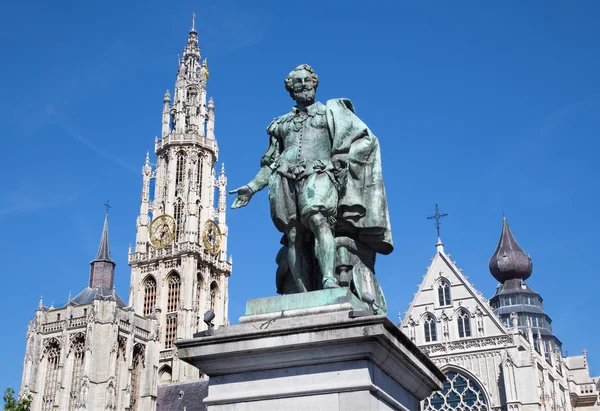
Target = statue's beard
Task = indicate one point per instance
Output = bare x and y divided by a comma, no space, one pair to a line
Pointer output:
305,96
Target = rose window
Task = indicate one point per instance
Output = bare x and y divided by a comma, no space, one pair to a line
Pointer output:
459,393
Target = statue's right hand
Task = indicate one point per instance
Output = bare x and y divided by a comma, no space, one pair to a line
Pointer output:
244,194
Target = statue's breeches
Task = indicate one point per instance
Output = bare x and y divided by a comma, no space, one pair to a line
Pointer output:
294,200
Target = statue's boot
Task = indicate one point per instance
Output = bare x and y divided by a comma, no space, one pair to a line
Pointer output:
330,282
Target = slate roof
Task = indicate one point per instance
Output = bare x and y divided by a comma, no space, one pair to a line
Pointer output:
187,396
90,294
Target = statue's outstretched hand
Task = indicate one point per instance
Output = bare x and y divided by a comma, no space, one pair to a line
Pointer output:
244,194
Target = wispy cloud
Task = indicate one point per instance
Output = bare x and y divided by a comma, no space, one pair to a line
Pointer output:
99,150
28,199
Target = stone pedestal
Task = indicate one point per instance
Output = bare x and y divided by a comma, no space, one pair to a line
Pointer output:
311,351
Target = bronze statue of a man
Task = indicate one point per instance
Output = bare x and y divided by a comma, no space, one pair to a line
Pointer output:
326,191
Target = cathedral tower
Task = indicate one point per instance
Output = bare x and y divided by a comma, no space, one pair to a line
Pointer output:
179,268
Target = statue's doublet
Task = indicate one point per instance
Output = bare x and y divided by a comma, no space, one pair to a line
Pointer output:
302,135
300,157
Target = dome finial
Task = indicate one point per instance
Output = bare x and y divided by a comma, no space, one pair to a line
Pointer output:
509,261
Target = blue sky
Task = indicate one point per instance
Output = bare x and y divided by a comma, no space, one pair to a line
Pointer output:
482,107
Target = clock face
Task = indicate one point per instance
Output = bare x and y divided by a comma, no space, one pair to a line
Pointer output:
162,231
212,237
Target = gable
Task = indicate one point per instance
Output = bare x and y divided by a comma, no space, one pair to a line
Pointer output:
456,297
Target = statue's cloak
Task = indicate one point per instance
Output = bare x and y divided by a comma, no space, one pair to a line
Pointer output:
362,210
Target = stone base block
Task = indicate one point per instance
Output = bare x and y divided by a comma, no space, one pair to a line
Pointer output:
319,358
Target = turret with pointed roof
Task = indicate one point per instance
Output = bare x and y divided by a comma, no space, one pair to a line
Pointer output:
102,270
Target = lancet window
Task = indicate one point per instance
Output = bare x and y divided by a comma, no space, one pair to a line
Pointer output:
170,330
174,291
214,292
429,327
78,352
51,380
179,171
444,293
177,215
464,324
459,393
149,295
136,373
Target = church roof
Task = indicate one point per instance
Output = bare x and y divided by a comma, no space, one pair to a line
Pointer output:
103,249
90,294
509,261
188,396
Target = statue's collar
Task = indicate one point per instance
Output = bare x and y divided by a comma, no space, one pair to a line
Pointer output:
312,110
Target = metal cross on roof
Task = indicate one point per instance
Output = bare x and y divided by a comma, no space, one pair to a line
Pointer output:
437,217
107,206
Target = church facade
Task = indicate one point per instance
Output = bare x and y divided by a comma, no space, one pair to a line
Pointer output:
98,352
497,354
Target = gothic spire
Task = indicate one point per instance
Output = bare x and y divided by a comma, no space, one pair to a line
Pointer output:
509,261
103,250
102,269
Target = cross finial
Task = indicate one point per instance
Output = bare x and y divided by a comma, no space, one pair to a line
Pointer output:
193,21
107,205
437,217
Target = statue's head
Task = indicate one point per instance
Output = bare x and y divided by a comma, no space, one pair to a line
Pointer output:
302,84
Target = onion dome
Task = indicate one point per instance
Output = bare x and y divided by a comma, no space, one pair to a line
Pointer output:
509,261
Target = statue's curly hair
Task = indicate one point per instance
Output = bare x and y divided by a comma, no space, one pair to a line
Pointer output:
288,80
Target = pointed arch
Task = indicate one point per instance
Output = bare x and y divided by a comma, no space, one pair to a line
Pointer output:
463,322
77,350
52,353
444,292
178,215
174,291
149,294
165,375
179,170
214,294
429,327
462,390
139,355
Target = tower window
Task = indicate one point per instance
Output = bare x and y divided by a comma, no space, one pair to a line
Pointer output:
170,330
214,292
78,351
138,363
179,169
51,380
444,293
174,291
149,295
178,214
464,324
429,327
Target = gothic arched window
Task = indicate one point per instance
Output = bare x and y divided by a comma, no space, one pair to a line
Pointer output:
459,393
429,327
178,214
179,170
444,293
52,352
464,324
199,176
149,295
136,373
214,292
170,330
174,291
78,352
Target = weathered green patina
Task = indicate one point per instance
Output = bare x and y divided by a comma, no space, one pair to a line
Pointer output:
298,301
326,193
